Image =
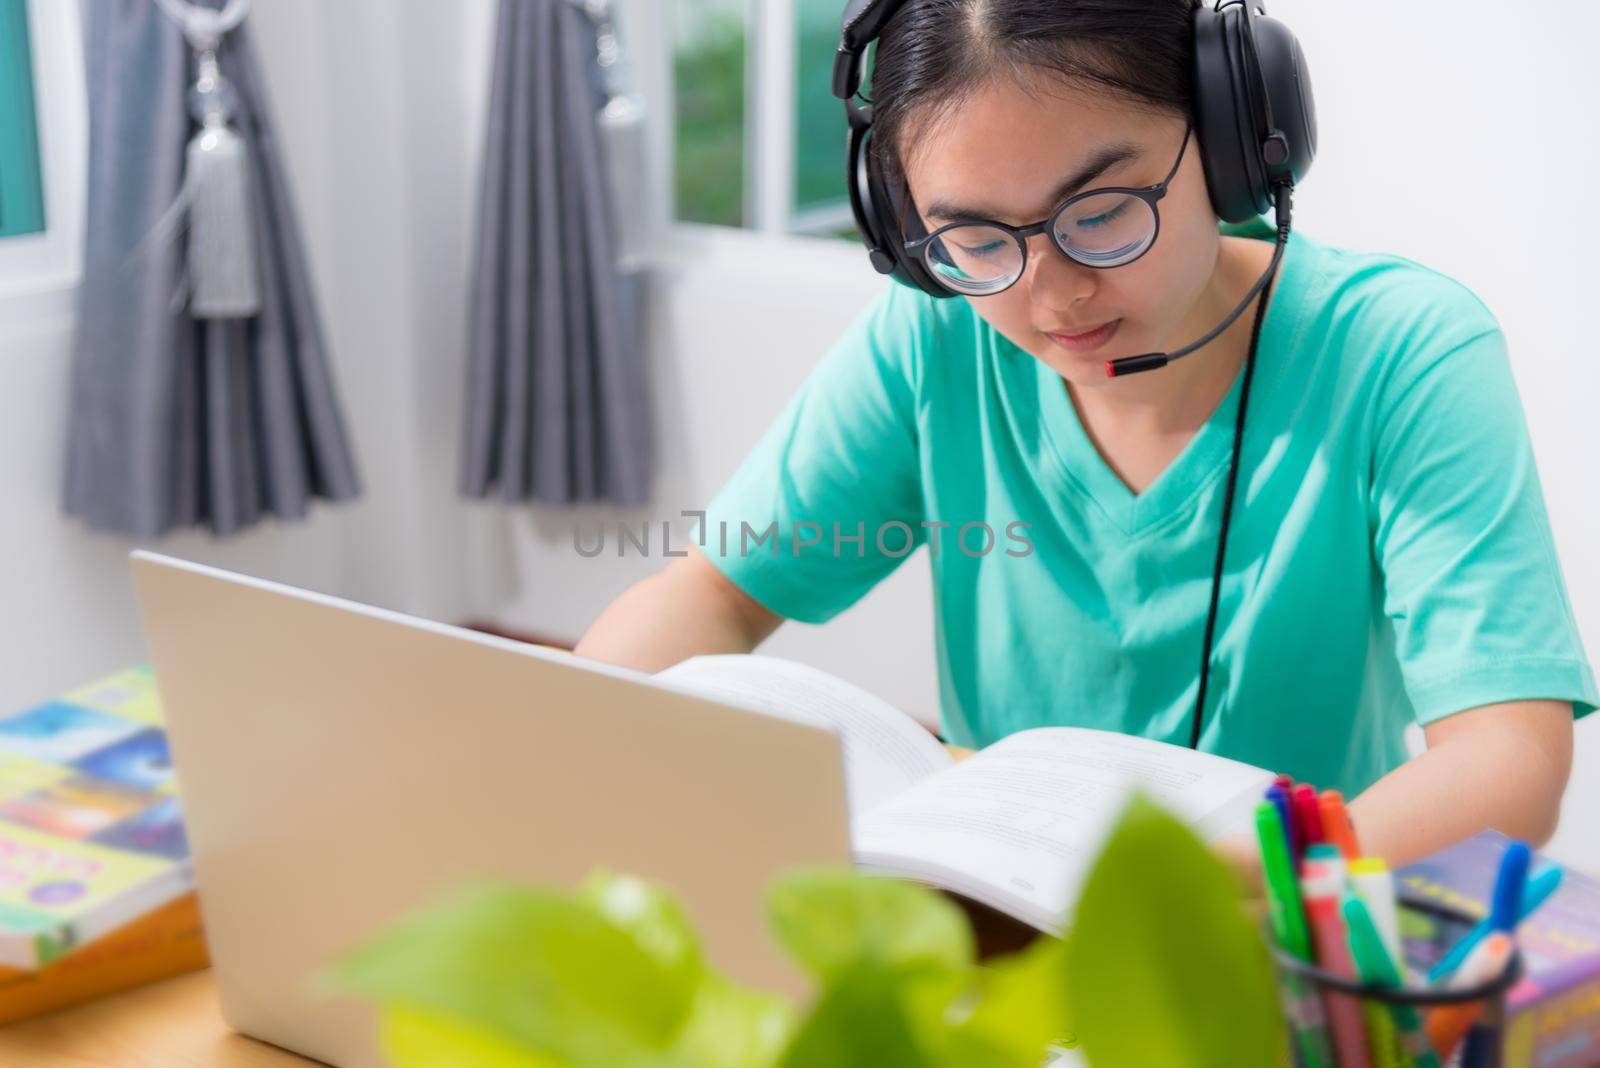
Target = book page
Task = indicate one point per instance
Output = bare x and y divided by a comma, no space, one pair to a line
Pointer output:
885,750
1017,825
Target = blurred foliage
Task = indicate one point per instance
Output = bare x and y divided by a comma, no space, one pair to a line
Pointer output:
708,88
1161,967
709,66
819,115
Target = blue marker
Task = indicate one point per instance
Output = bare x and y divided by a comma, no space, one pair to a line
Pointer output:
1280,800
1508,887
1538,890
1504,913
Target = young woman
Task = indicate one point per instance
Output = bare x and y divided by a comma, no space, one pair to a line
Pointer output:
1389,558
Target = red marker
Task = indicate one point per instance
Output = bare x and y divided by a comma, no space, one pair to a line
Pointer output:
1283,781
1307,816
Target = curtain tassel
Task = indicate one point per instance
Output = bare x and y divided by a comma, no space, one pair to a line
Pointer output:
224,268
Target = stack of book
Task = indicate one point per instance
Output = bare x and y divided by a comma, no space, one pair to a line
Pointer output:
96,887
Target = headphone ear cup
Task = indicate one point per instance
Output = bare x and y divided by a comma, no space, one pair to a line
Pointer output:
1222,116
878,210
1237,57
1294,109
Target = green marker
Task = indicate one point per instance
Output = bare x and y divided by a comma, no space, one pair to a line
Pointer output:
1289,927
1283,889
1375,967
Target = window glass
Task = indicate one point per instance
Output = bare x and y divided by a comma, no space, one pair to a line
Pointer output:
21,191
709,102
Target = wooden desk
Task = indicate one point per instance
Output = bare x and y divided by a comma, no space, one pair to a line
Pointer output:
177,1023
171,1024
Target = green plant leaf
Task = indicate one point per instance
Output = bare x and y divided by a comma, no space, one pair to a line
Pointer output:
731,1027
411,1038
653,917
1162,965
727,1026
1015,1009
899,983
872,1016
542,970
834,921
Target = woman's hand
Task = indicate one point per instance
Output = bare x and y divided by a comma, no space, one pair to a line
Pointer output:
1242,855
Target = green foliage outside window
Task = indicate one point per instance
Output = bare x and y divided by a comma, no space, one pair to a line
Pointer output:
21,189
709,78
819,115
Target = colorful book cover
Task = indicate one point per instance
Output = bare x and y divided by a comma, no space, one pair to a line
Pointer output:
1553,1012
91,831
168,941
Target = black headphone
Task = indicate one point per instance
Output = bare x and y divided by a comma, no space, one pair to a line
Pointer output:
1254,117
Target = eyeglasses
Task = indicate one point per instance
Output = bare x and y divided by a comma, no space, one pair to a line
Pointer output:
1098,228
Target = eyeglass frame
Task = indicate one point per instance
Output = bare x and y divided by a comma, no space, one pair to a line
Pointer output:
1150,194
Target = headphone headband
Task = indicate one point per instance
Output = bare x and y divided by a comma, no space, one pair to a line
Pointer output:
1252,108
863,23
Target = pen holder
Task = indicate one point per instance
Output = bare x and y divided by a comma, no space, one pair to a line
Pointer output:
1377,1005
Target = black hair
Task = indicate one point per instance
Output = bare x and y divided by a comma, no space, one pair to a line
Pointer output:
933,53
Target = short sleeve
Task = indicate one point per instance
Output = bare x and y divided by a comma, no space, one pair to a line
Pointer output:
1472,585
829,501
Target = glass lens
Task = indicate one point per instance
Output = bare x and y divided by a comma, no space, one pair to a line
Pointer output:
974,259
1106,229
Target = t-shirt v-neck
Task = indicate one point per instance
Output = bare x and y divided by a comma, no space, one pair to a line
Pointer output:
1204,457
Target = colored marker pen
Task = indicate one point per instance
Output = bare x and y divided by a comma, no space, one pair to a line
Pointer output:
1328,854
1320,889
1447,1024
1506,908
1301,1004
1374,966
1280,800
1336,825
1307,816
1375,886
1538,891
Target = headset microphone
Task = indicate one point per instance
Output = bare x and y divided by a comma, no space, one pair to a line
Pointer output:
1130,365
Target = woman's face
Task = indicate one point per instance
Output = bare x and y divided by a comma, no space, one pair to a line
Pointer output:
1009,155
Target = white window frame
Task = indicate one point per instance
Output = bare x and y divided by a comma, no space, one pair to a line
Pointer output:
769,119
769,115
39,273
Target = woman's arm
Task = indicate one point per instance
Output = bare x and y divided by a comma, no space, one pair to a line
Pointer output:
1503,766
688,608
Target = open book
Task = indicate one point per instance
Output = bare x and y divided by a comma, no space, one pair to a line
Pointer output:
1016,825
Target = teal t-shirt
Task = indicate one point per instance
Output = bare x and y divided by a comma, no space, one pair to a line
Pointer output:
1390,558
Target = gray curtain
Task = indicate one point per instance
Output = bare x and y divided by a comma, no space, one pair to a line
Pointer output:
174,421
557,399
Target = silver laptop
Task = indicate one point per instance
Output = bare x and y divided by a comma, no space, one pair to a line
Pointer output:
341,765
